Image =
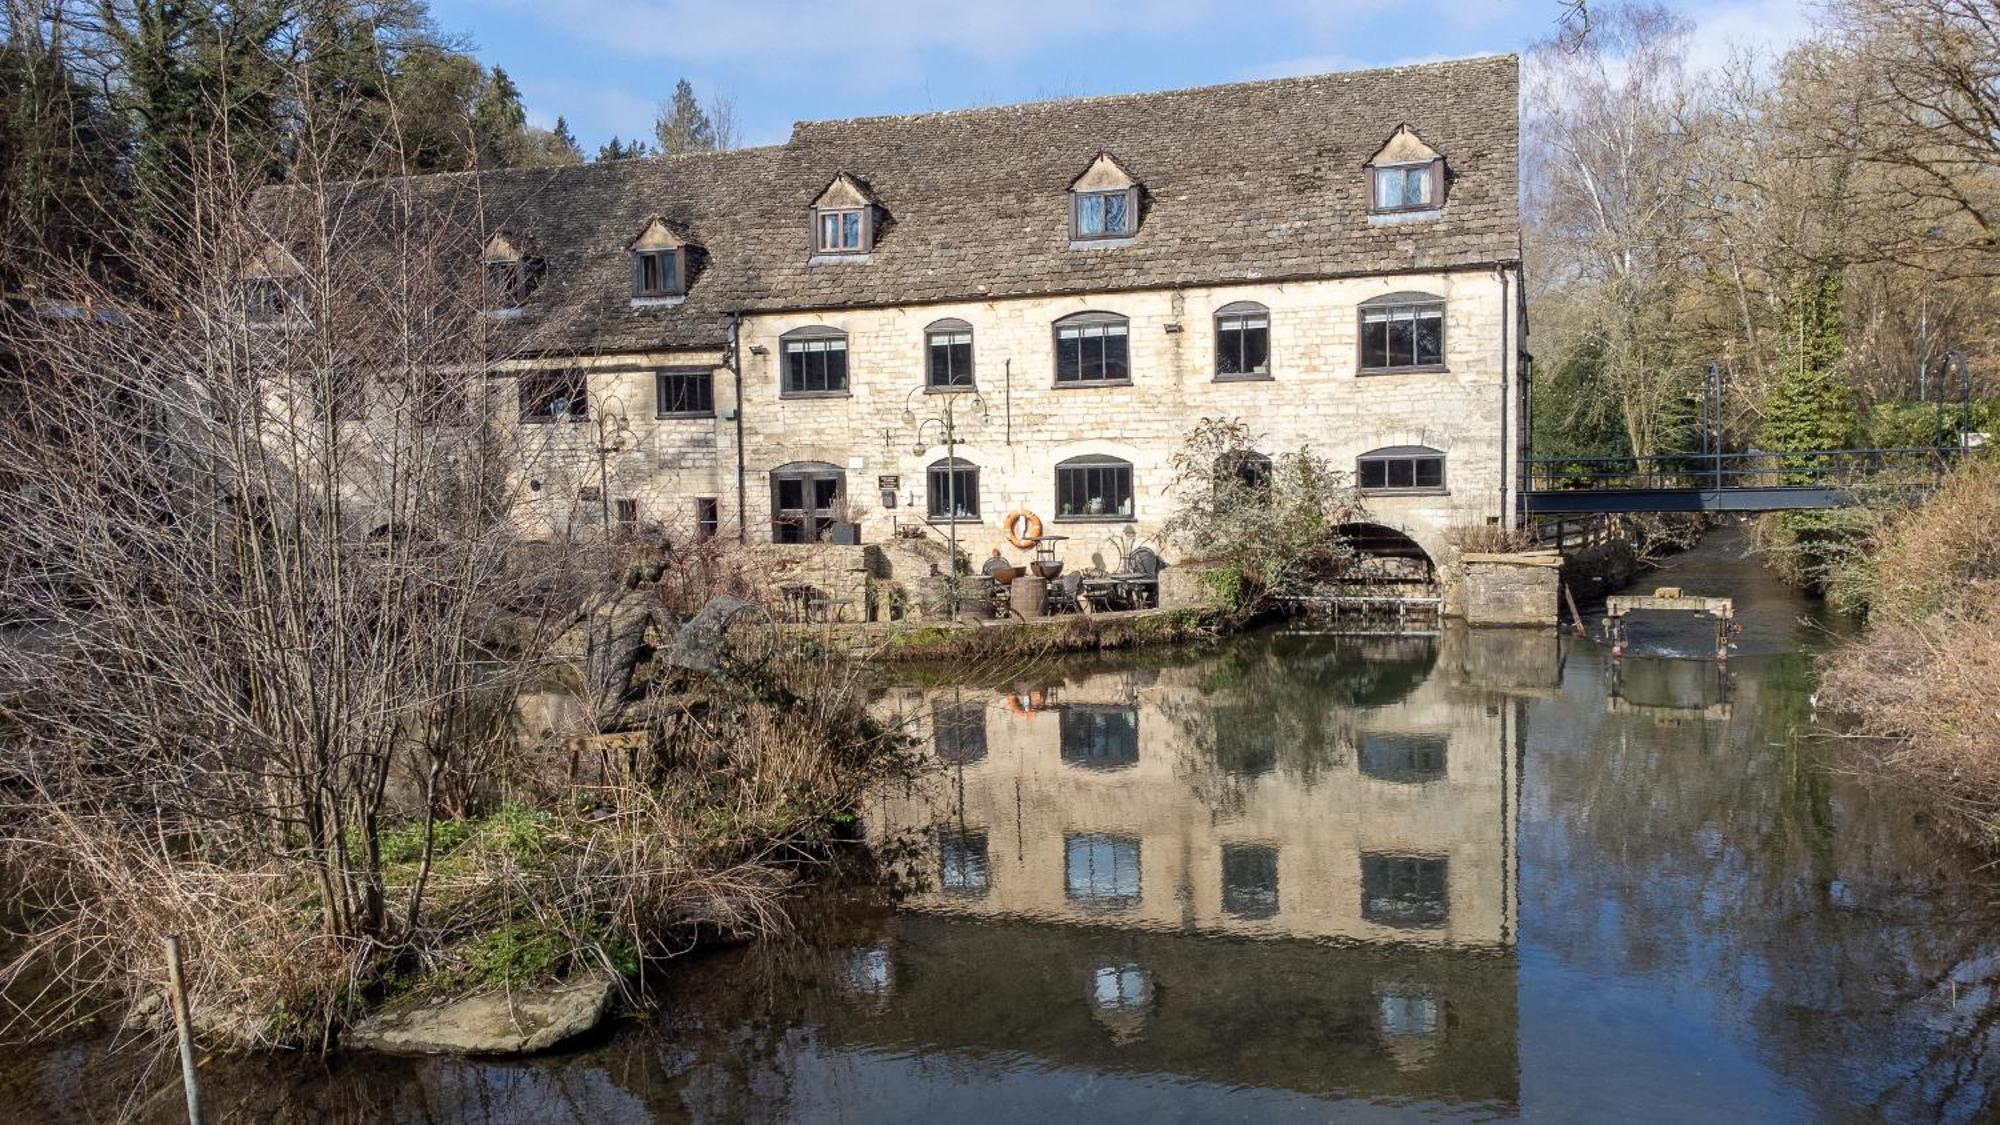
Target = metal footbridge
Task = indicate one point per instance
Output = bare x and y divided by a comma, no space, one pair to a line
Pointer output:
1729,482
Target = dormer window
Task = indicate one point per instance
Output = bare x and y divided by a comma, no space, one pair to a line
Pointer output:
273,289
1405,174
510,274
1104,202
659,263
843,219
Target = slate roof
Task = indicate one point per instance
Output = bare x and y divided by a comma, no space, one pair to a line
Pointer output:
1253,181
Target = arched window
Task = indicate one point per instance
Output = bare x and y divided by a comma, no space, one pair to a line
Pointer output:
951,486
1402,332
806,497
1094,488
1243,471
1093,349
1243,341
1400,468
948,355
815,361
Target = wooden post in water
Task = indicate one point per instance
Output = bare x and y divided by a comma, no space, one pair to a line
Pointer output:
183,1027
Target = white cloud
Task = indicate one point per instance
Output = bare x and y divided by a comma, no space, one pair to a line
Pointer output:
1730,28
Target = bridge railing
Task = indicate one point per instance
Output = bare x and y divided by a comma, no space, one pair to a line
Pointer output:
1819,468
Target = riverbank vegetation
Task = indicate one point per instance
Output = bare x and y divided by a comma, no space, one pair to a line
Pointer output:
1925,674
318,657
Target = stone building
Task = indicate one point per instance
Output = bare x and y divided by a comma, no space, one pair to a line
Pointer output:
885,326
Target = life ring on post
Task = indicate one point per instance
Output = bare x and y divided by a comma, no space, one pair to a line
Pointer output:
1024,528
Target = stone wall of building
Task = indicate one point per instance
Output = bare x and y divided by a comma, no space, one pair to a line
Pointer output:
886,431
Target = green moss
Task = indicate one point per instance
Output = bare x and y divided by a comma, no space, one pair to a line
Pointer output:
519,953
406,844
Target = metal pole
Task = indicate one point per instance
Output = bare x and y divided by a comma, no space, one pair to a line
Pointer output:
183,1028
951,506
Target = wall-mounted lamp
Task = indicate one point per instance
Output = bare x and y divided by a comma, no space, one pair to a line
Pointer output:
759,349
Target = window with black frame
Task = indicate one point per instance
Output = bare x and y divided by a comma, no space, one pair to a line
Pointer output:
1243,341
554,396
1402,757
686,392
806,496
1094,488
1249,880
1093,349
1405,891
951,488
958,731
1101,871
1099,737
507,283
948,356
707,518
963,870
1402,332
1403,468
815,361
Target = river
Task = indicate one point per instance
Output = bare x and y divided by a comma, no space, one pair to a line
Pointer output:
1292,877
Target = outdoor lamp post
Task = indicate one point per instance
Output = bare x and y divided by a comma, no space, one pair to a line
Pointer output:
945,423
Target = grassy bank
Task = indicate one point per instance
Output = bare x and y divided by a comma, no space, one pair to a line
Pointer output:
1925,673
576,854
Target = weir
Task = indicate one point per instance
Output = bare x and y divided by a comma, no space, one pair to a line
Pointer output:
1669,599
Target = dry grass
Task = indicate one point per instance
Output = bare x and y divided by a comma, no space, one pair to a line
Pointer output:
1925,676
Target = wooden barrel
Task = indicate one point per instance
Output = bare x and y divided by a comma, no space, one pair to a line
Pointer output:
1029,596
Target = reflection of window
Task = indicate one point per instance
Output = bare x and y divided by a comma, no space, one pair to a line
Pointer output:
1101,871
958,731
1403,1010
1403,757
1119,988
870,971
1249,880
1404,890
962,869
1100,738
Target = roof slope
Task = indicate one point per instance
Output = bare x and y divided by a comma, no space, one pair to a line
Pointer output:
1259,180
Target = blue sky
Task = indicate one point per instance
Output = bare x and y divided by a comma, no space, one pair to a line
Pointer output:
606,64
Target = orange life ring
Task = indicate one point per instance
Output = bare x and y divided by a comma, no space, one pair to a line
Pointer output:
1016,520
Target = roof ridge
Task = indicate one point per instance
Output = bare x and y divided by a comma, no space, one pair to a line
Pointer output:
1135,95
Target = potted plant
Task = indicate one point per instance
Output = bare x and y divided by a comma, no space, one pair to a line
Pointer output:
845,528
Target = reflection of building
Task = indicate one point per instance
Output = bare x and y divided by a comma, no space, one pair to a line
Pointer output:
1158,802
1098,847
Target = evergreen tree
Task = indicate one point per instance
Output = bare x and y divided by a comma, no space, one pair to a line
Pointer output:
615,149
1811,406
682,126
564,141
499,122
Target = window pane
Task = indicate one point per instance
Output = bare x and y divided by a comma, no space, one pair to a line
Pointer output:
1229,347
1090,214
1116,365
1069,355
1408,758
667,280
791,494
1402,473
836,365
1093,355
1430,472
1256,347
958,732
1430,335
1116,221
1375,340
1402,339
1417,185
826,491
1374,474
1388,189
850,230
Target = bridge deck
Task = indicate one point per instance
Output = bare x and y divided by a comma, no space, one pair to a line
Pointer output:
1777,499
1726,482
